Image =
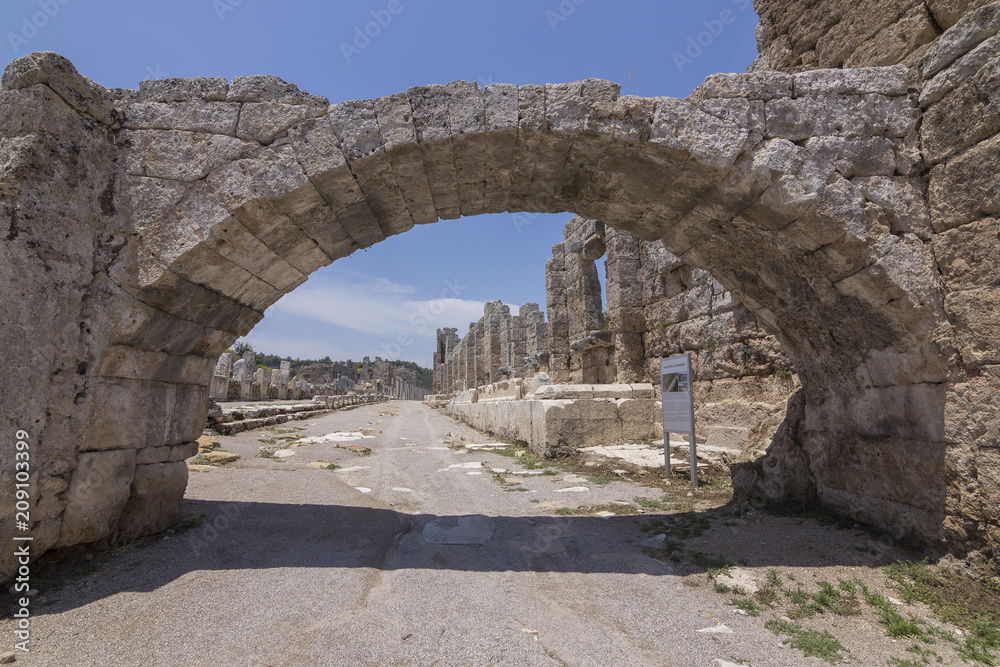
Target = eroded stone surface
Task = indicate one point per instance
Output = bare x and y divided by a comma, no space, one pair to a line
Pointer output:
807,204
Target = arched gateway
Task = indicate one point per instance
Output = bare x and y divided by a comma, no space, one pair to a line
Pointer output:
146,230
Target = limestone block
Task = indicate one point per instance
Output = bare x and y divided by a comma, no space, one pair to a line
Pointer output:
258,191
119,416
941,136
185,451
960,71
467,122
977,324
974,28
948,12
148,455
128,362
154,502
203,266
573,424
398,135
501,122
901,201
356,127
888,81
753,86
643,390
616,391
564,391
530,125
969,256
637,417
961,190
265,121
58,73
179,155
269,88
208,89
714,141
911,473
897,41
211,117
187,419
729,438
98,490
430,118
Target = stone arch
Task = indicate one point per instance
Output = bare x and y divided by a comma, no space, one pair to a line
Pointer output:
208,200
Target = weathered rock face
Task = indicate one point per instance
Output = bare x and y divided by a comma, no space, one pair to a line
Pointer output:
146,233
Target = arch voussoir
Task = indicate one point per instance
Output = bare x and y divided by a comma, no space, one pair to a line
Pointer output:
399,140
357,131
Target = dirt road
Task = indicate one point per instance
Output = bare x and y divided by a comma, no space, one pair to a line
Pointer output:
420,554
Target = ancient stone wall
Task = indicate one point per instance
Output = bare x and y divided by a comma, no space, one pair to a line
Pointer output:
496,347
801,35
852,212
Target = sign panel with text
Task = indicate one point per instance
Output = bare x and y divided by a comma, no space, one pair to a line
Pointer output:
678,407
675,377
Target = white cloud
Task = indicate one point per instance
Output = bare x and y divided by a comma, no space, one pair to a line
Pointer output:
379,307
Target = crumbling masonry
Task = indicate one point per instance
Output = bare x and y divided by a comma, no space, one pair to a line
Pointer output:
851,211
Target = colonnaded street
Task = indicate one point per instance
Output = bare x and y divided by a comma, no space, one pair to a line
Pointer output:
434,550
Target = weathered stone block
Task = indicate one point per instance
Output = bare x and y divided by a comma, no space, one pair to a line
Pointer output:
154,502
208,89
976,327
98,490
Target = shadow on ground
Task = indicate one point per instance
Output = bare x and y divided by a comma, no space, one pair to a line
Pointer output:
255,536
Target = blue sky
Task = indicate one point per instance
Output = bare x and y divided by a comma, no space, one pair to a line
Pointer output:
388,300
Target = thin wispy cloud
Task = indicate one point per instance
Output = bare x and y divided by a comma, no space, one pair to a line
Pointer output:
377,306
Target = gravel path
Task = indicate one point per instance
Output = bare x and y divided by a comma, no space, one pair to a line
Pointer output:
417,555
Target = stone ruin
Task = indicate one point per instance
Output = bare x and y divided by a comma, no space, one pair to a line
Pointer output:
658,306
851,211
238,381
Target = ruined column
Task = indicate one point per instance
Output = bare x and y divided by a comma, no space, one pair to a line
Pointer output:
556,304
482,360
285,371
274,386
246,382
495,314
625,305
220,377
259,384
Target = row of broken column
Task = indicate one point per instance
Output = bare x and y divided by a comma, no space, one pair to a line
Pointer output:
240,379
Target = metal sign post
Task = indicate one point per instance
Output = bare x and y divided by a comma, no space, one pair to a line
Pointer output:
678,407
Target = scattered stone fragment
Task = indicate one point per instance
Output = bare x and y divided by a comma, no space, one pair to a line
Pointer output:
219,457
573,489
722,629
207,443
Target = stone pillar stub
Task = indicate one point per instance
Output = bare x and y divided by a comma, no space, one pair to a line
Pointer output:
246,382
